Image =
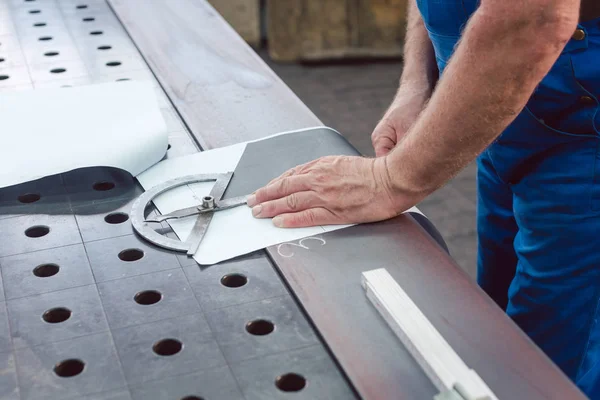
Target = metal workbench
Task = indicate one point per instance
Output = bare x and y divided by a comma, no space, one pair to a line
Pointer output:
89,310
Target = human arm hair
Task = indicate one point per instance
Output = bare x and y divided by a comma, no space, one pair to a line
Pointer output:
505,51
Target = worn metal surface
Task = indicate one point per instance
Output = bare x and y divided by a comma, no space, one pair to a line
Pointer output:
227,95
82,295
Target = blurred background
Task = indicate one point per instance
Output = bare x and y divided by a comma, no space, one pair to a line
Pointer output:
343,59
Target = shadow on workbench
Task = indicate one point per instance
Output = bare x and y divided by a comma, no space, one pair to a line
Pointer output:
82,191
350,97
84,205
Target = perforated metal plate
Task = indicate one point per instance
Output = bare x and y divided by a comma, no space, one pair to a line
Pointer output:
89,310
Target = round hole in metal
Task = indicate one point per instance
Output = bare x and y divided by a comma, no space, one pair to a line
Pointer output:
69,368
113,63
38,24
103,186
45,38
58,70
51,53
167,347
56,315
290,382
116,218
2,59
88,19
131,255
34,11
147,297
192,398
234,280
29,198
260,327
104,47
46,270
122,79
3,77
37,231
81,6
95,33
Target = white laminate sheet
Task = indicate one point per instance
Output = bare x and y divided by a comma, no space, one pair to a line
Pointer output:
51,131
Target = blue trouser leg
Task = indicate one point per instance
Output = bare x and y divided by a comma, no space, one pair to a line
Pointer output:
539,200
548,163
554,181
496,227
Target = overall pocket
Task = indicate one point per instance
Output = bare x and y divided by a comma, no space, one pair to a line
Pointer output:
550,171
560,103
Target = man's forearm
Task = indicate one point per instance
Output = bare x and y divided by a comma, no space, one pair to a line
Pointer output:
502,56
420,70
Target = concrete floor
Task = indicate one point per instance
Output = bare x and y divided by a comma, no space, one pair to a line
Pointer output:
351,98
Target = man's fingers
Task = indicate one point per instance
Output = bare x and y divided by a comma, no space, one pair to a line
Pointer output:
298,170
383,145
294,202
279,189
288,173
382,151
306,218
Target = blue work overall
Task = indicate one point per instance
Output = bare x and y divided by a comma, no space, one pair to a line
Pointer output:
539,200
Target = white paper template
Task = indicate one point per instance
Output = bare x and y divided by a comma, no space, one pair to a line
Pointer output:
50,131
232,232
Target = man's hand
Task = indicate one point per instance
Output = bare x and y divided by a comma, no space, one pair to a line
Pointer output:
329,190
398,119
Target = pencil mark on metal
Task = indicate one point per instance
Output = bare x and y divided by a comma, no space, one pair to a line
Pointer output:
299,244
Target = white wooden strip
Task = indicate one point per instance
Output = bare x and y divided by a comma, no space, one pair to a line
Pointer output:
434,355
